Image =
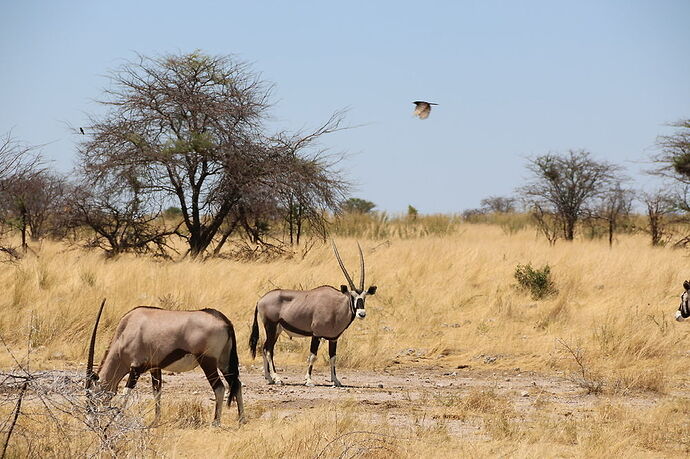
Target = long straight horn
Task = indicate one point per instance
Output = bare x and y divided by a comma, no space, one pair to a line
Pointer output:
92,345
361,268
342,266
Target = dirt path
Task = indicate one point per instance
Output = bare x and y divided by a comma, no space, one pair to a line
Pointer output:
403,395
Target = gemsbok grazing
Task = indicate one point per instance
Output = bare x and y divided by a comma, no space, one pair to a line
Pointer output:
320,313
683,311
154,339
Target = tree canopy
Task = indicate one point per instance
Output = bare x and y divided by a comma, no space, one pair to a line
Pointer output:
190,130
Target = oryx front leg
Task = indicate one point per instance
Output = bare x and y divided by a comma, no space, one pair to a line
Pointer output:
332,345
310,360
134,373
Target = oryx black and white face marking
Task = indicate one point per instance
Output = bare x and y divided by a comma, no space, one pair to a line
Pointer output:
357,298
684,309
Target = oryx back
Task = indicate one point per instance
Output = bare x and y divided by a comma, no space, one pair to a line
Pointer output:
150,337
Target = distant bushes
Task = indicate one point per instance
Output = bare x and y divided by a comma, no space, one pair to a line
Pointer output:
536,281
379,225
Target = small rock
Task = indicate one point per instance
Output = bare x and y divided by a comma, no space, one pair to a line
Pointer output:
524,393
380,386
462,367
507,379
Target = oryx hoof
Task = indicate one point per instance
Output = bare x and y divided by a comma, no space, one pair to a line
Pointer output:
337,383
276,382
309,383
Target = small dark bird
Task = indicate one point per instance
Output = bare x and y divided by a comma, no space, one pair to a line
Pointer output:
422,109
82,131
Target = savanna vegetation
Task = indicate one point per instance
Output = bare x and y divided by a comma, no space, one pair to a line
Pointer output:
447,299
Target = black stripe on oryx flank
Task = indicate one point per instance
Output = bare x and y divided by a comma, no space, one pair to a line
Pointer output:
292,329
297,331
171,358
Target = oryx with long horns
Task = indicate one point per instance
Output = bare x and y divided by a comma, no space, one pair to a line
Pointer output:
320,313
154,339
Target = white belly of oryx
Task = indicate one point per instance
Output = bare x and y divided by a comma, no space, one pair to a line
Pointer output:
186,363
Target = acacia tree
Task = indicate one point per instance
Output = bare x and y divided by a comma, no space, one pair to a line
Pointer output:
674,153
562,187
499,204
357,206
19,163
120,218
32,202
190,128
660,208
614,205
17,160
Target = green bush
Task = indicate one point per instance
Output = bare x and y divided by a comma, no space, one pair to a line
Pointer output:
536,281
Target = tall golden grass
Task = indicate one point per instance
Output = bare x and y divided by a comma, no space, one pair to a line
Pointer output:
447,294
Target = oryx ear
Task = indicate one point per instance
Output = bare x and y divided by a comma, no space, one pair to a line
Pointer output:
343,288
686,285
371,290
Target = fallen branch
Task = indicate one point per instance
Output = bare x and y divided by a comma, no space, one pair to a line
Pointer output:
14,421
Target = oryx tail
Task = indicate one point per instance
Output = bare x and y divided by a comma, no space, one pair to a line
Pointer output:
254,338
234,367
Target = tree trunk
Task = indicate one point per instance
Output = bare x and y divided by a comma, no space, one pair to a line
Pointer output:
23,228
569,229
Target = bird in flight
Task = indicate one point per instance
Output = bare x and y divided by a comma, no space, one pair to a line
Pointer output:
82,131
422,109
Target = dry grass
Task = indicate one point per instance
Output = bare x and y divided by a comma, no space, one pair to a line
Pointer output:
447,294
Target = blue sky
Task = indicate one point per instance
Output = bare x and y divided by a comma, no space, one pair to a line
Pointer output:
513,80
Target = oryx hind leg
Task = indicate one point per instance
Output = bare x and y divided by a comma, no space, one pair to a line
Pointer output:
272,332
210,367
310,360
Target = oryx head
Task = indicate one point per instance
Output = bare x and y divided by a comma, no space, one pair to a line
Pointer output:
357,295
683,311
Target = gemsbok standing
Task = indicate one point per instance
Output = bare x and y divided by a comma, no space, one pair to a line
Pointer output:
320,313
154,339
